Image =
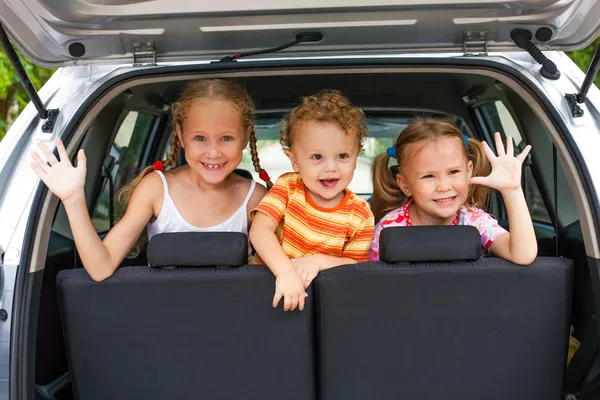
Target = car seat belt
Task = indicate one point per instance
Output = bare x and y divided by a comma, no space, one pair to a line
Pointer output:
107,166
583,358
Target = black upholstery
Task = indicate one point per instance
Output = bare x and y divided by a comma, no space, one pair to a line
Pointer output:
481,330
185,333
243,173
429,243
200,249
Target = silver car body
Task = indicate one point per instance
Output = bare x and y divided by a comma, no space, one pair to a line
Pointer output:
44,32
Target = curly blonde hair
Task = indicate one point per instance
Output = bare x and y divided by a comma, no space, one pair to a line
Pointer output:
326,106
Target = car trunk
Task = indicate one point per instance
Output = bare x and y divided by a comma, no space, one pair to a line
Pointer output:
450,88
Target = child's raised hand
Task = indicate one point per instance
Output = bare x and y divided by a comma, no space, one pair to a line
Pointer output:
289,286
60,176
506,168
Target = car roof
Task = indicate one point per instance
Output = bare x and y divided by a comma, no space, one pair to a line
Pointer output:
59,33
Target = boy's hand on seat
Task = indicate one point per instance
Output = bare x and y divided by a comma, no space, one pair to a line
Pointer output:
308,267
289,286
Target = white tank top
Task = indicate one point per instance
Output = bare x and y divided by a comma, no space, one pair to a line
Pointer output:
170,220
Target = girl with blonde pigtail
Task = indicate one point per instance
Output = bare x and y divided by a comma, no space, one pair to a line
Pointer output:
443,178
213,123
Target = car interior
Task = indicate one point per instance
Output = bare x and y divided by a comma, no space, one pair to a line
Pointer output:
466,328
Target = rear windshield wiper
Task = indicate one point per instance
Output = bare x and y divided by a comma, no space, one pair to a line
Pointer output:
301,37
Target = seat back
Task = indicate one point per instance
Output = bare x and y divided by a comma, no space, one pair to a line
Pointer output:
149,333
470,330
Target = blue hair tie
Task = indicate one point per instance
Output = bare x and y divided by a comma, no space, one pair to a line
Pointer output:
466,140
391,151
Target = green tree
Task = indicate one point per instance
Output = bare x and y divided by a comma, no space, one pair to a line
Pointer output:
583,58
13,97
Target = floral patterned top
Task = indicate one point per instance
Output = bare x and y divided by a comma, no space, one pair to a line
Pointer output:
486,225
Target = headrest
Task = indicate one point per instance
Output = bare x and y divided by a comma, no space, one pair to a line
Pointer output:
429,243
198,249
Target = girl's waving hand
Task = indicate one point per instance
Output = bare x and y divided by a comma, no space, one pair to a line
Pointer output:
506,168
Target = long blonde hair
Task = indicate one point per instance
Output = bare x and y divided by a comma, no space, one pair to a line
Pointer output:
192,92
387,195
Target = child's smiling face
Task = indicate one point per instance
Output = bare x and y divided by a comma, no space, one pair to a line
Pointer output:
436,174
325,157
213,137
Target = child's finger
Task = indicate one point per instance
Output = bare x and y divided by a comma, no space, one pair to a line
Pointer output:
294,302
276,298
307,283
488,152
49,156
499,144
81,159
521,157
510,150
304,275
40,163
38,171
287,302
62,152
301,299
480,180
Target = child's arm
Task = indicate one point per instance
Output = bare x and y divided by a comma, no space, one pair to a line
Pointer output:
100,259
356,250
259,192
519,245
288,283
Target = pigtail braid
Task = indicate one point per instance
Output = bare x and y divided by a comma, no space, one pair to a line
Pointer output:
173,156
256,160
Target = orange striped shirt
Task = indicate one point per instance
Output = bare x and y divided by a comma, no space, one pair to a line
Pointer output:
305,228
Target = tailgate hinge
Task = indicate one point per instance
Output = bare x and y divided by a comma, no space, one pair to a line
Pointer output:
144,54
475,43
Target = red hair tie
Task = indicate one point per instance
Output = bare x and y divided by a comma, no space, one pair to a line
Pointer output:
158,166
263,175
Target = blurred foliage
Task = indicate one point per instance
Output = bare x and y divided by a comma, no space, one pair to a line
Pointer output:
583,58
13,97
